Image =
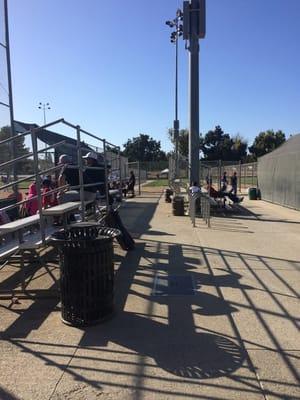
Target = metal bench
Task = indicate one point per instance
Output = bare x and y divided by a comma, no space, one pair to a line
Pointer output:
19,224
29,242
15,249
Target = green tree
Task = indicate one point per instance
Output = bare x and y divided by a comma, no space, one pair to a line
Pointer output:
266,142
217,145
183,141
143,148
239,148
6,151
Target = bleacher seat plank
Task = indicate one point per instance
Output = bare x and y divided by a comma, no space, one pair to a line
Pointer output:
62,209
19,224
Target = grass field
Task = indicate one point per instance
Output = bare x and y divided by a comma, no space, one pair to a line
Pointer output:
23,185
157,182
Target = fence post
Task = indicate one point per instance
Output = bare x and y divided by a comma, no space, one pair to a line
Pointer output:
208,211
38,181
106,177
220,174
80,169
240,176
139,174
120,167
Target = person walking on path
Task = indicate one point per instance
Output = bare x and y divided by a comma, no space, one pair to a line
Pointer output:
131,183
233,182
224,182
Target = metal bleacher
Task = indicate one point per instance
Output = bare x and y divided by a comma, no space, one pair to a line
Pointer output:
33,233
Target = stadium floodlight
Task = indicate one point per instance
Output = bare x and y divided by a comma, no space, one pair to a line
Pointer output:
178,29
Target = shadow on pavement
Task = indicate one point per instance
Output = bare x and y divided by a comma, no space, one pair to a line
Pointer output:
186,351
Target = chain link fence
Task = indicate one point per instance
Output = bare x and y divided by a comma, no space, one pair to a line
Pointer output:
214,170
183,167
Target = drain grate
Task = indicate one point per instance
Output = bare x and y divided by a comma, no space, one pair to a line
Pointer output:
173,285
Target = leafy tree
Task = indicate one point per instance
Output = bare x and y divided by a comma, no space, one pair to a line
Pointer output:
239,148
217,145
6,151
183,141
143,148
266,142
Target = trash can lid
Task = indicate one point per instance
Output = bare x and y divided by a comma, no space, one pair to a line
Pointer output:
85,231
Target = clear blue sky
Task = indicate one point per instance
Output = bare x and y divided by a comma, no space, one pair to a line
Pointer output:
109,66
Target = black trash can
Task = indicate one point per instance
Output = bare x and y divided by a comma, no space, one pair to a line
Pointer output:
168,194
178,205
86,273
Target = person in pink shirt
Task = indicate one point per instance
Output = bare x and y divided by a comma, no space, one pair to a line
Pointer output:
32,205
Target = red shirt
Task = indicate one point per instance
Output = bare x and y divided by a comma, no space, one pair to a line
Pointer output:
48,200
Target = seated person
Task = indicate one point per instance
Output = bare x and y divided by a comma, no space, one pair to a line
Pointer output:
93,175
222,194
194,188
70,175
234,198
32,205
48,200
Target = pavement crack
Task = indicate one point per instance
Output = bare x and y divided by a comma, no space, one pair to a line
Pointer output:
63,372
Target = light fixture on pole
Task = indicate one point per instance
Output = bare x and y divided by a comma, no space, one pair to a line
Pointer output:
178,31
44,107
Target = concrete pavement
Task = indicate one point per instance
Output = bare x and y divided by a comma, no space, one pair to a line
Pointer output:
200,314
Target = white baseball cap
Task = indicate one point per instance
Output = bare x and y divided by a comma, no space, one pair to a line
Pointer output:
64,159
91,154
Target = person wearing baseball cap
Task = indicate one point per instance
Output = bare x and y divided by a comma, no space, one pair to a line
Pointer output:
91,158
93,174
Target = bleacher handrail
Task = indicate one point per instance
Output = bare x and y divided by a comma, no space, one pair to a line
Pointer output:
29,177
33,131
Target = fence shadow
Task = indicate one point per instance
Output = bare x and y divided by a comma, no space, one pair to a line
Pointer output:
187,353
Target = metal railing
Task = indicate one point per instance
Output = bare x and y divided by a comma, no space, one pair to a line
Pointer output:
246,173
204,207
80,147
140,174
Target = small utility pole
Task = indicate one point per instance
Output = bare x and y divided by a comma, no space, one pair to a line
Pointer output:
193,30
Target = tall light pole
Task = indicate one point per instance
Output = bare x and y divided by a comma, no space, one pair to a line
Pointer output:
193,30
10,96
44,107
178,28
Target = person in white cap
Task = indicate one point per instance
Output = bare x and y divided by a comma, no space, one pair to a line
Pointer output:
93,175
69,175
63,159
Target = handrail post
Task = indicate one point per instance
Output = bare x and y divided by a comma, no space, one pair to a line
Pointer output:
120,167
80,170
240,176
38,182
139,175
106,176
208,213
